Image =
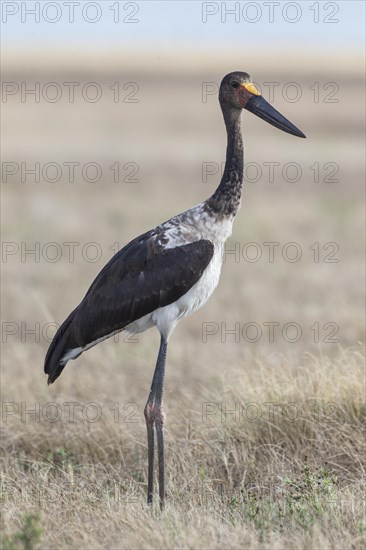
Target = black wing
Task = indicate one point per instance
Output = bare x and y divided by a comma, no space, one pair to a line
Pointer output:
140,278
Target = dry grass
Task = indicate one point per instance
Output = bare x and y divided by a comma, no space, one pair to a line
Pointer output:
287,470
290,474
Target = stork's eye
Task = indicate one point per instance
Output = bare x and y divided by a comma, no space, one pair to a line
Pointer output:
235,84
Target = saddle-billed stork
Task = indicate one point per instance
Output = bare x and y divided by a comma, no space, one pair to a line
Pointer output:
167,273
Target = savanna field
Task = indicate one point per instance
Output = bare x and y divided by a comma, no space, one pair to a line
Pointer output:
265,385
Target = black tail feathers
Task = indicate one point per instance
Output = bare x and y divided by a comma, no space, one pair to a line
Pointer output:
61,343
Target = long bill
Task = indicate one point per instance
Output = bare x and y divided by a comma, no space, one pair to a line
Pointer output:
260,107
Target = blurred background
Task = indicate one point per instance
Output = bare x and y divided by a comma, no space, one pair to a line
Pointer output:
110,125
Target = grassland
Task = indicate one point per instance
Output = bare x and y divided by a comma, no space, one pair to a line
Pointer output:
265,435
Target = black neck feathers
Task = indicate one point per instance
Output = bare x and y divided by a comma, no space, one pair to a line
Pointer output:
226,199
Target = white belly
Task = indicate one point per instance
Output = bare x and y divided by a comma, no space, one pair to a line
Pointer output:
166,318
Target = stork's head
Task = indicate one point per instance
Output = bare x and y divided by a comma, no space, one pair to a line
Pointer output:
238,92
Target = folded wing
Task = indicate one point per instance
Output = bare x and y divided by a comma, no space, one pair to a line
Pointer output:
140,278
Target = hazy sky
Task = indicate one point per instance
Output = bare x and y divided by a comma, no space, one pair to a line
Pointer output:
149,23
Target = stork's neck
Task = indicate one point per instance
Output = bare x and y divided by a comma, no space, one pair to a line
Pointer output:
226,199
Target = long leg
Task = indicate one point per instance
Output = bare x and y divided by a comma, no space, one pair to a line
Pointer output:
150,456
160,418
154,415
159,426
